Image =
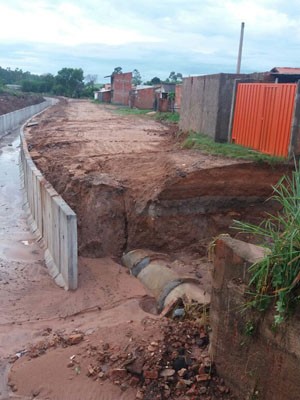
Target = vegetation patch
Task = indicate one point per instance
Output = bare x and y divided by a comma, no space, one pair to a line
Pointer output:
231,150
171,117
275,279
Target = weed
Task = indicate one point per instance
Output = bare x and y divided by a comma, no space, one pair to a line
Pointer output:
249,329
208,145
172,117
276,277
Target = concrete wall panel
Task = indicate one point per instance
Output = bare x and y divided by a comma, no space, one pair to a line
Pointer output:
50,218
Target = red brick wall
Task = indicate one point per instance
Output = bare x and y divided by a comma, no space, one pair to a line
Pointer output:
121,86
144,99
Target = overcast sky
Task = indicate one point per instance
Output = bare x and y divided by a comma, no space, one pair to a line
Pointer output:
155,36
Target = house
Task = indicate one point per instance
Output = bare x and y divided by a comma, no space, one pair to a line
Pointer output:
142,97
165,97
285,74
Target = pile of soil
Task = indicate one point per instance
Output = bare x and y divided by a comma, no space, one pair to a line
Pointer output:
9,102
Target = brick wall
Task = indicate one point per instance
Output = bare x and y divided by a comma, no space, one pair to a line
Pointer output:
144,99
121,86
257,361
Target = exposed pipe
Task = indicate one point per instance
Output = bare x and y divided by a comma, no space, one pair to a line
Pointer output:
165,284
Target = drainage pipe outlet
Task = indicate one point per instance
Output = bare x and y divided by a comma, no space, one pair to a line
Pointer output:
153,270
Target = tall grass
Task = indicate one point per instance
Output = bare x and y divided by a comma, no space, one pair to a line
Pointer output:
275,279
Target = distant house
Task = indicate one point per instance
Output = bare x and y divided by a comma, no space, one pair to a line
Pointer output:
285,74
165,97
103,95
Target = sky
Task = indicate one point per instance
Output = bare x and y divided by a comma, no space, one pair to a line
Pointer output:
156,37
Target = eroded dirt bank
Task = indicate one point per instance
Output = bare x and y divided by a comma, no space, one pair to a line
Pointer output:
132,185
9,103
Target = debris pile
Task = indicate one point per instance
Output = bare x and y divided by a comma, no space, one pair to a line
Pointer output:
176,367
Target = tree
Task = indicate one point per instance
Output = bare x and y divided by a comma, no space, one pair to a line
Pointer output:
174,77
136,77
69,82
90,79
154,81
117,70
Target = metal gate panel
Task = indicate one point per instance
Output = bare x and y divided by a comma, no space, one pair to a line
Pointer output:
263,116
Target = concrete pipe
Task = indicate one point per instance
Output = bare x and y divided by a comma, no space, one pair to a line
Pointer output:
153,270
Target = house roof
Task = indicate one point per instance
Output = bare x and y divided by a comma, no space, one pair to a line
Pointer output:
285,71
140,87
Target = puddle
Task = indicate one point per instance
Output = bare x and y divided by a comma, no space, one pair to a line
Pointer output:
15,237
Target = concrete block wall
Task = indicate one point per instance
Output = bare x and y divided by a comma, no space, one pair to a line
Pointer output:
256,360
206,104
51,219
12,120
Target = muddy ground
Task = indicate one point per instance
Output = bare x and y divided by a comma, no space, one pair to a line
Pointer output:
9,102
131,185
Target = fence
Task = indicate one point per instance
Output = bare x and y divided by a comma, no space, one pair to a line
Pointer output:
263,117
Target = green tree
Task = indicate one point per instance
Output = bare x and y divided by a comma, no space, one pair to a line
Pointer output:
117,70
69,82
153,81
174,77
136,77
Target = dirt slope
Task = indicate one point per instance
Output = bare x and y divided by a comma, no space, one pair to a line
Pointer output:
9,103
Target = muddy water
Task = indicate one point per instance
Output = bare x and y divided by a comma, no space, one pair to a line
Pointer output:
16,242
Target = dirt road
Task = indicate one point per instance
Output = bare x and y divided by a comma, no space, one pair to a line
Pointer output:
131,186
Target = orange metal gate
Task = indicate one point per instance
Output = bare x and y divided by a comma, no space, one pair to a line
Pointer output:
263,116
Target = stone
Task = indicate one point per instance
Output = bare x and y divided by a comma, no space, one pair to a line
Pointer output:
150,374
182,372
134,381
139,395
136,367
117,373
203,377
165,373
75,339
202,390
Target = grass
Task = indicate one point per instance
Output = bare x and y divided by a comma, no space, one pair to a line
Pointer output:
171,117
231,150
275,279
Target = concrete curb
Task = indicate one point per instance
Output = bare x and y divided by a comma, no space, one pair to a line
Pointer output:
50,218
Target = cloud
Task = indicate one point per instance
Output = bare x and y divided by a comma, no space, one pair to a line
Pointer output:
156,37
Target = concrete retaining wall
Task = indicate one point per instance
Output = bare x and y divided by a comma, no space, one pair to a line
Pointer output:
50,218
256,360
13,120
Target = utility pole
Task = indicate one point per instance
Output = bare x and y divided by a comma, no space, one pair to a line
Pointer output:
238,66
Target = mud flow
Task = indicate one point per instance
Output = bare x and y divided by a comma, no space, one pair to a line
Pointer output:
132,185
